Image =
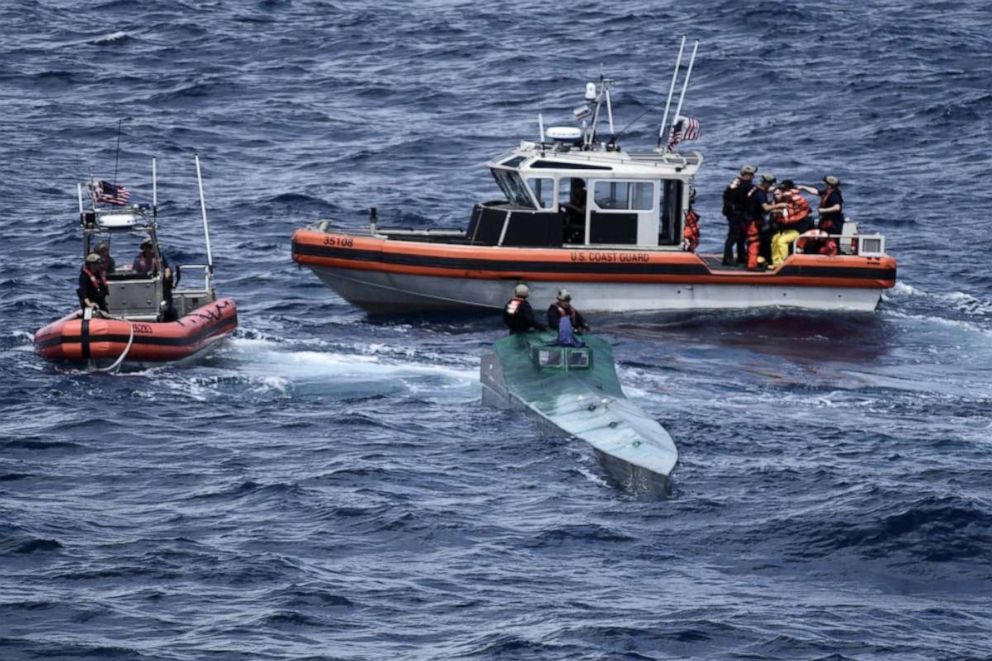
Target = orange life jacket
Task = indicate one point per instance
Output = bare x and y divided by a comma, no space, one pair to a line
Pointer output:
690,235
513,304
795,211
97,282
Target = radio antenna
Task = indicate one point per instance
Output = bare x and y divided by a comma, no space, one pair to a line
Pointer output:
117,155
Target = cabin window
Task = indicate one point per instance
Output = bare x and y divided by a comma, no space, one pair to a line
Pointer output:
624,195
544,191
513,187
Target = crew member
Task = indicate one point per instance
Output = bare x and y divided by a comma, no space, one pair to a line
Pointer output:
831,212
734,209
93,289
146,263
575,212
690,230
831,207
759,205
103,249
562,307
789,222
518,315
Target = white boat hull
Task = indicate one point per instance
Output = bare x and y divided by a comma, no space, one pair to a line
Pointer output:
383,292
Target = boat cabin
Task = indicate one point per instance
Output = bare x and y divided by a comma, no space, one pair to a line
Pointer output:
135,294
559,195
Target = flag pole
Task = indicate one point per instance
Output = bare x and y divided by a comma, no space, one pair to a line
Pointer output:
671,91
203,212
685,83
154,191
117,155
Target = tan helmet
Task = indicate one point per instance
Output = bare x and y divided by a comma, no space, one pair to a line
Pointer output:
521,290
564,295
93,258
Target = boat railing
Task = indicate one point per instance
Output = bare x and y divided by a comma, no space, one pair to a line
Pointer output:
863,245
204,268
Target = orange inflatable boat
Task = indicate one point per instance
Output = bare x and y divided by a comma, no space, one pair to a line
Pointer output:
103,340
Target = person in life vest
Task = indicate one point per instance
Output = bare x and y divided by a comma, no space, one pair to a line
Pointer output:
759,204
561,309
93,289
788,222
816,242
735,211
518,315
146,263
103,249
831,208
690,231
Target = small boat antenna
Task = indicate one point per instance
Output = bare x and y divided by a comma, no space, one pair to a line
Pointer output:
671,91
685,85
203,212
82,213
605,82
599,96
154,191
540,126
117,155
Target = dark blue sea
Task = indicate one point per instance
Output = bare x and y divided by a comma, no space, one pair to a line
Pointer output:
328,486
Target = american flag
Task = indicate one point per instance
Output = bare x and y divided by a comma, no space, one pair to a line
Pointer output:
108,193
684,128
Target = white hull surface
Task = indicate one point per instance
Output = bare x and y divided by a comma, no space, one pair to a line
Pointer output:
383,292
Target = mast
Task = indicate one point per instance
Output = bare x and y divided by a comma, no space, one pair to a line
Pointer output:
203,212
671,91
685,83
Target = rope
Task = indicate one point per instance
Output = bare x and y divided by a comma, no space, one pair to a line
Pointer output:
120,359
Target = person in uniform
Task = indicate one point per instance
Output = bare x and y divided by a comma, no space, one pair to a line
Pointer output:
103,249
831,210
734,210
518,315
146,263
759,204
562,307
575,212
93,289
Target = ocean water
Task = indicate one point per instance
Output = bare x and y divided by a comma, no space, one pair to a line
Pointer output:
328,486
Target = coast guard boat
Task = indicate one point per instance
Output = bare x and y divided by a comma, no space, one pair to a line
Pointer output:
575,390
577,210
153,317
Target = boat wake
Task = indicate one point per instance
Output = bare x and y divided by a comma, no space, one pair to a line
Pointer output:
268,369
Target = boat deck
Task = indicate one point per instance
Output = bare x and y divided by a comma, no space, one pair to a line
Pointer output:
715,263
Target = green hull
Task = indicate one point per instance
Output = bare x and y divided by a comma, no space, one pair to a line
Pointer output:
577,391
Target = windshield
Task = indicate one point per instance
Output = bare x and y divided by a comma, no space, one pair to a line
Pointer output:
513,187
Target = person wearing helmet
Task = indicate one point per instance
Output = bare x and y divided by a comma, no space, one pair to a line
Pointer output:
103,249
759,204
146,263
518,315
562,307
831,208
735,211
93,288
